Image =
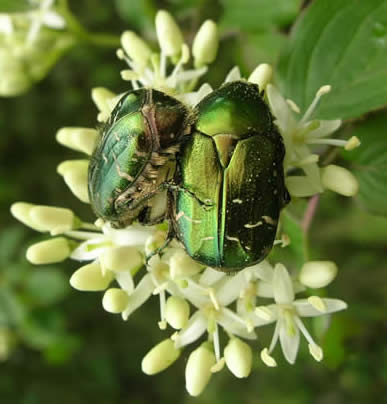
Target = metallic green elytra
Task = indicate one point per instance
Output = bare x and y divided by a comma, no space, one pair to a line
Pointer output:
135,156
231,180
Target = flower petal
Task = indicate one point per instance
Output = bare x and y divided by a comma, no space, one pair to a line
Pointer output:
230,287
141,294
134,235
233,75
194,294
125,280
281,110
194,329
195,97
305,309
90,249
283,286
53,20
265,289
289,342
300,186
210,276
6,26
263,271
233,324
325,128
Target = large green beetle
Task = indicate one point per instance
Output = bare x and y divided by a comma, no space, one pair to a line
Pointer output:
135,157
230,180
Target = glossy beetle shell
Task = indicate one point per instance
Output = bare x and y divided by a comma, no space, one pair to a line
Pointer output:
135,156
231,181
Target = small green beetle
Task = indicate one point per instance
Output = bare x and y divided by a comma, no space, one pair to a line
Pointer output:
135,156
231,180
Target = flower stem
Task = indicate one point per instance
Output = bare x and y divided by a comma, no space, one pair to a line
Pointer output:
79,32
310,212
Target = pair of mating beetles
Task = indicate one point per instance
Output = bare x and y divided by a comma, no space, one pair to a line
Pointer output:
215,173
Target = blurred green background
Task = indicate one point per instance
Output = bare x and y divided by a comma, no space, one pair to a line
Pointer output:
57,345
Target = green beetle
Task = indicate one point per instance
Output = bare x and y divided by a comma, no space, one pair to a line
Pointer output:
231,181
135,157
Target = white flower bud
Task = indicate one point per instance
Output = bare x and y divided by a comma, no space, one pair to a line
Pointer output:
136,48
21,211
168,33
49,251
74,173
124,258
182,265
80,139
160,357
102,97
198,370
261,75
239,357
115,300
90,278
318,274
56,220
340,180
177,312
205,44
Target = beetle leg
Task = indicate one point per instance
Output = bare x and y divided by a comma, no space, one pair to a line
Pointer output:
158,251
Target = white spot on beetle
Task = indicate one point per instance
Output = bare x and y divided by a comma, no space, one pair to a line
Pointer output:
232,238
251,226
237,201
269,220
179,215
182,214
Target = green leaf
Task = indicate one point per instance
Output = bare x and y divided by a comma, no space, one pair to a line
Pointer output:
41,329
46,286
369,162
262,47
12,311
10,242
139,13
344,44
62,349
15,6
258,15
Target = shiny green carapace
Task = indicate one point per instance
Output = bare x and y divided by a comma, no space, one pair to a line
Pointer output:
231,180
135,156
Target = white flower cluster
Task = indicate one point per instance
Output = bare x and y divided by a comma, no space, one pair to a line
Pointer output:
236,304
26,52
194,300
